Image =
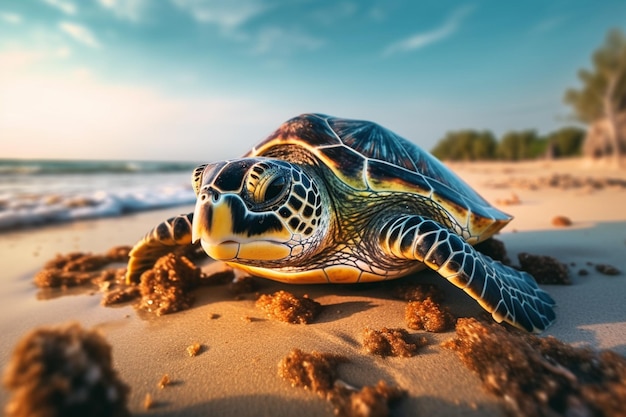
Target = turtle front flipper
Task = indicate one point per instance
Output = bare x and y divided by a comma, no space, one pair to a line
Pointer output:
160,241
508,294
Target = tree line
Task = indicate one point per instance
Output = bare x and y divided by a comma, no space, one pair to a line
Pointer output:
600,102
474,145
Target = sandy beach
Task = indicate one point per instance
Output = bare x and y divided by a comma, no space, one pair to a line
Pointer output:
236,373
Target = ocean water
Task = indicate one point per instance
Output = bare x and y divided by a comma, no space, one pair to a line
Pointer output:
40,192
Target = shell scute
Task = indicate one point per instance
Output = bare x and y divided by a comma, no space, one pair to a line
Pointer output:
312,130
345,160
385,176
374,141
367,156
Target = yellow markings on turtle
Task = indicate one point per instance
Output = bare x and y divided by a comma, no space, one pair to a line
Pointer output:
282,235
478,225
353,182
396,184
370,277
483,227
357,182
343,274
314,276
339,159
457,212
222,252
280,141
453,278
473,292
222,222
498,317
263,251
494,228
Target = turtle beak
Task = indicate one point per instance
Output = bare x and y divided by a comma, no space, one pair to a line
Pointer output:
212,218
202,217
213,226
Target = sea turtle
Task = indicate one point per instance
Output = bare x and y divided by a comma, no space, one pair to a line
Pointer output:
331,200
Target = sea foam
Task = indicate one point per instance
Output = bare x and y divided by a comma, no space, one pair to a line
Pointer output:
39,192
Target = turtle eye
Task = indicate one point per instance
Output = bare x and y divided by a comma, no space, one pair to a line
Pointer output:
266,185
275,188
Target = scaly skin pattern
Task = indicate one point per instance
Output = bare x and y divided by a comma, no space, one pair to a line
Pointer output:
508,294
327,200
164,238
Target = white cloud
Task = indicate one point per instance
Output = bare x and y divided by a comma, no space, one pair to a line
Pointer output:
335,13
12,18
423,39
227,15
278,41
62,5
231,17
80,34
548,24
126,9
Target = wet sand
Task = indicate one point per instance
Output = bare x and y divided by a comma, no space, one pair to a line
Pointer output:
236,373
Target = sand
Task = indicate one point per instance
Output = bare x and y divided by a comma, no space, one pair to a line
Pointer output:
236,371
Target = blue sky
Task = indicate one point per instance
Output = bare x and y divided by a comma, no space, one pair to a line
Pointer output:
206,79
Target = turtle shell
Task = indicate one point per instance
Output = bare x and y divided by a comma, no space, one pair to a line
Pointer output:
368,157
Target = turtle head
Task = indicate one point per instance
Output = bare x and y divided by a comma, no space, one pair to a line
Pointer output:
258,212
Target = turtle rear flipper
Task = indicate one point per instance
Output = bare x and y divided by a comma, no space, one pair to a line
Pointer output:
508,294
160,241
